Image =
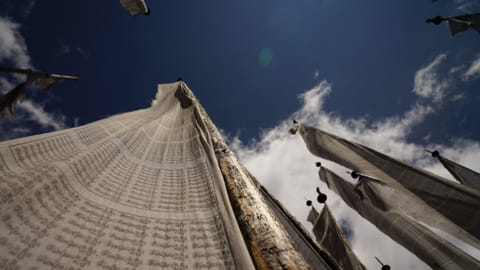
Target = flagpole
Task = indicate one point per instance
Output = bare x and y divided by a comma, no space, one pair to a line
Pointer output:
41,79
32,71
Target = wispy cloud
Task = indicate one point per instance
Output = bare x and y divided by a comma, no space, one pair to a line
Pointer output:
20,9
467,5
427,84
12,45
76,122
82,52
456,69
458,97
14,52
29,5
66,50
40,116
283,164
473,72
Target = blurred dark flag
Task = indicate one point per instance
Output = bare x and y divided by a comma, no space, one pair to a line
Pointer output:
135,7
459,23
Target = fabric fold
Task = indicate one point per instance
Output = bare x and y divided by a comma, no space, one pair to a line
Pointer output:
459,24
464,175
418,239
135,7
331,238
449,206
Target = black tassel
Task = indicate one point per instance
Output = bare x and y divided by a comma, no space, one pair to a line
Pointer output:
321,198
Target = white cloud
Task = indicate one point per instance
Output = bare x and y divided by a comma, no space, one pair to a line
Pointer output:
66,49
76,122
458,97
456,69
427,83
40,116
473,72
12,44
283,164
27,10
467,6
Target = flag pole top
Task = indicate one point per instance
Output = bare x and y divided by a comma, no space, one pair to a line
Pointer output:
321,198
384,266
436,20
434,153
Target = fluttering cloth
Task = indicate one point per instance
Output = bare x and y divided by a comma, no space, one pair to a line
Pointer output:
463,174
331,238
426,245
135,7
449,206
462,23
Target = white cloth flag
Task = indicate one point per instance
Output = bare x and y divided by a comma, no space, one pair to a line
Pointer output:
135,7
386,198
462,23
16,95
331,238
46,83
312,215
423,243
460,205
316,256
9,100
463,174
139,190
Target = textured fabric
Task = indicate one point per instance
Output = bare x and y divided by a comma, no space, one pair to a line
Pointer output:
454,208
462,23
16,95
9,100
135,7
426,245
312,216
317,257
140,190
382,196
332,239
464,175
46,83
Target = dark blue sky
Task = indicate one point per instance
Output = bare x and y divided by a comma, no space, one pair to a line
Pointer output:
369,50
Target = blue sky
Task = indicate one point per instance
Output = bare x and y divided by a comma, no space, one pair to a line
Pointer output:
369,50
372,71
